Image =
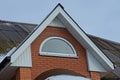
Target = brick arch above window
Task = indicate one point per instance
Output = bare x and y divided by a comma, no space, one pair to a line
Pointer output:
59,71
57,46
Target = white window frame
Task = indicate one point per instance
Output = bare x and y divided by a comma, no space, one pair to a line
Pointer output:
57,54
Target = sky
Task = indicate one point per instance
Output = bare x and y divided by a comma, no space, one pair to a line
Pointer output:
96,17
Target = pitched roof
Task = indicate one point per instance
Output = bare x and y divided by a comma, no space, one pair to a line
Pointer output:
110,48
24,29
12,33
15,33
73,28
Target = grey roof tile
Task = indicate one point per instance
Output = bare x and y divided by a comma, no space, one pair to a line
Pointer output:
13,33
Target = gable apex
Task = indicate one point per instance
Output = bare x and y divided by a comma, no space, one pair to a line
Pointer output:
60,5
72,27
57,23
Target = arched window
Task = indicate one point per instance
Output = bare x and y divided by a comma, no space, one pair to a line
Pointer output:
57,46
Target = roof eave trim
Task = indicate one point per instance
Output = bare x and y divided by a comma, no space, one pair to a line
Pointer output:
103,59
60,10
36,32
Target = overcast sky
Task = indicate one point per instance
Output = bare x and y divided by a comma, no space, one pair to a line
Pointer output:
97,17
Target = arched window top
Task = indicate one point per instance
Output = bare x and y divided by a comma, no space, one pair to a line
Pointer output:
57,46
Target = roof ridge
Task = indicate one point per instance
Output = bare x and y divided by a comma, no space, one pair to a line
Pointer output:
6,21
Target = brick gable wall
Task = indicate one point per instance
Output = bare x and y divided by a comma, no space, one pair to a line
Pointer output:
41,64
45,63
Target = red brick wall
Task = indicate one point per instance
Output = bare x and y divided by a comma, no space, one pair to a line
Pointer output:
95,75
42,64
45,63
23,74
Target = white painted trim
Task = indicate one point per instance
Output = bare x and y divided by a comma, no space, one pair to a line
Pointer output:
90,44
24,60
82,37
57,23
93,63
57,54
34,35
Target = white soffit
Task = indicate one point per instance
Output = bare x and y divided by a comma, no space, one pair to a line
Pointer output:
72,27
36,33
57,23
80,35
24,60
93,64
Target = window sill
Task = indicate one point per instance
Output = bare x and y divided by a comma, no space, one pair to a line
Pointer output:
58,55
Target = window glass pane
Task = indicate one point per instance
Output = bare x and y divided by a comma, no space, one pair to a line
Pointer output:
57,45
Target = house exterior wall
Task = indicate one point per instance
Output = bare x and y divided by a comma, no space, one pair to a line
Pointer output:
41,64
22,74
17,75
95,75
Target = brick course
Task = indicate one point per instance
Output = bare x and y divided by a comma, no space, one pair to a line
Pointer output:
41,64
45,63
95,75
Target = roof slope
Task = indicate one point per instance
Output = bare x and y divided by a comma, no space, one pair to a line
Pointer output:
111,50
13,33
108,47
59,13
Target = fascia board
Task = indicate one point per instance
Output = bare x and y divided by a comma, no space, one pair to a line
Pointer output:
46,22
35,34
92,46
